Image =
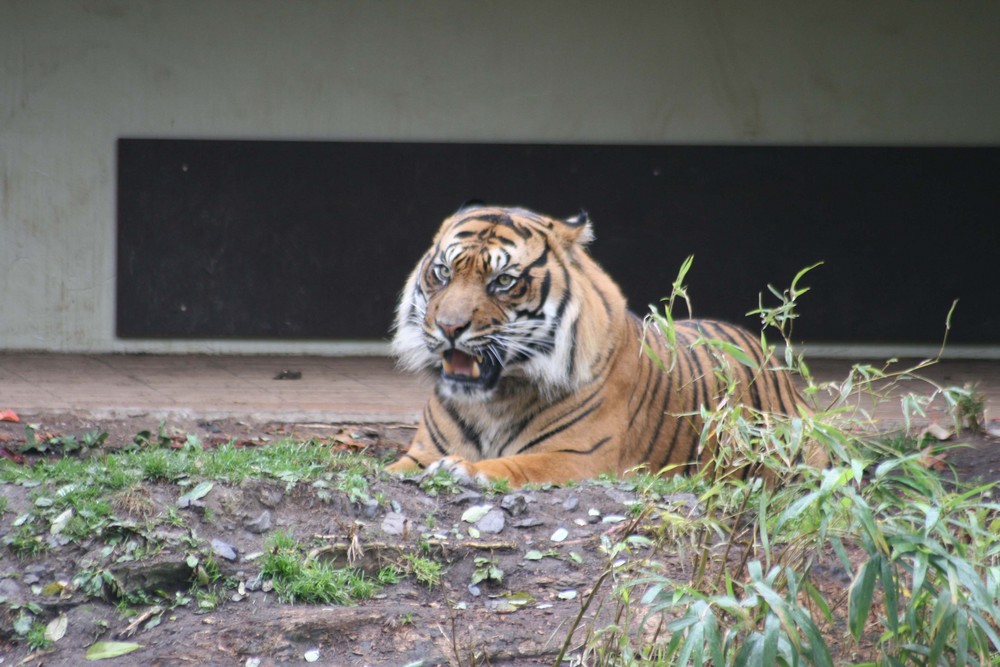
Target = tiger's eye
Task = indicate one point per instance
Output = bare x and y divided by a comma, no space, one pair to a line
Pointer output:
504,281
442,272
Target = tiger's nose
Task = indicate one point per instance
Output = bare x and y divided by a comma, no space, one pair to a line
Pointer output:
452,331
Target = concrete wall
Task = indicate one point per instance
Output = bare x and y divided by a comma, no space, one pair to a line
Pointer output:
77,74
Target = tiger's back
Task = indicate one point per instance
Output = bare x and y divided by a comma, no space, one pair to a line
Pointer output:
540,370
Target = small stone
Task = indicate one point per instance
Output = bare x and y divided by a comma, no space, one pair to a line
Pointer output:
223,550
514,504
261,524
474,591
465,498
571,503
394,523
270,496
492,523
683,503
619,496
10,590
530,522
254,583
369,509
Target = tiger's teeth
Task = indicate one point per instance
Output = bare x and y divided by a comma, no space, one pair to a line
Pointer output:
475,370
448,367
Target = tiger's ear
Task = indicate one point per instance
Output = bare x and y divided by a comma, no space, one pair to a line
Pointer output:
576,229
471,203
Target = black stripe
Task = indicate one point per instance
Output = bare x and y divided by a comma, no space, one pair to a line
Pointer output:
647,395
546,287
597,445
419,464
545,436
579,405
573,348
663,415
468,431
434,432
679,423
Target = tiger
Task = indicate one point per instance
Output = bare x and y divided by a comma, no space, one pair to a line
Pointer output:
539,367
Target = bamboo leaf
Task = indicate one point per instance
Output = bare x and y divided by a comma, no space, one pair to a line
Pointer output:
890,597
769,647
860,598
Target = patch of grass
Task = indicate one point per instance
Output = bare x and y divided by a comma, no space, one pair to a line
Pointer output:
25,542
297,579
389,576
36,639
425,570
441,482
498,487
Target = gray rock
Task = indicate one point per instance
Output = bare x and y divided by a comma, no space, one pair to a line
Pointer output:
619,496
223,550
493,522
261,524
684,503
10,590
394,523
369,509
270,496
514,504
530,522
571,503
466,497
255,582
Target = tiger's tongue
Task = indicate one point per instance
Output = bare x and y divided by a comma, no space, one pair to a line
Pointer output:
461,363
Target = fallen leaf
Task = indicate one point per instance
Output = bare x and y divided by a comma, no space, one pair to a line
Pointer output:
567,595
519,599
60,522
197,492
54,588
475,513
311,655
105,650
56,629
936,431
9,416
559,535
928,459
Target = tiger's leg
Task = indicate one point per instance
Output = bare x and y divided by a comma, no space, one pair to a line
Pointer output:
554,467
420,455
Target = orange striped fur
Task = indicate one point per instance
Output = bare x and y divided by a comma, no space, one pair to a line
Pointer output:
539,370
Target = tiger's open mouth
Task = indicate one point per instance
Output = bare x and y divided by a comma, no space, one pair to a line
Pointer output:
478,370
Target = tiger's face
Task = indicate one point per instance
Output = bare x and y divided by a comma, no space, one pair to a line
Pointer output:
489,300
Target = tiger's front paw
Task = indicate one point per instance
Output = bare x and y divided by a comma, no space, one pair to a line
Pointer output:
463,471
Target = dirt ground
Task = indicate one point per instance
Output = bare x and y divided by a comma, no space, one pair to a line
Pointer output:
494,623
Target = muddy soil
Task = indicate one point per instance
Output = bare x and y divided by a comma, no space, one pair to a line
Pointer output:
546,542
